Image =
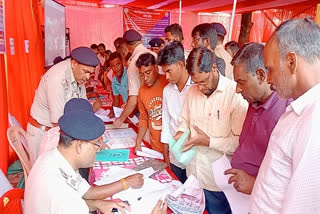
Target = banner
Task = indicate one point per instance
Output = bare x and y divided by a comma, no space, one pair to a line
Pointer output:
2,39
149,23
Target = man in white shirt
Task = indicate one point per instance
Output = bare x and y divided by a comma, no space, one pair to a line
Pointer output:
214,114
55,185
288,179
136,48
172,60
58,85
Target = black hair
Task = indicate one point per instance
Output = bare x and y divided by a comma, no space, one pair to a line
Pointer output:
94,46
118,42
102,45
205,30
176,30
200,60
146,59
108,52
114,55
171,53
234,46
65,140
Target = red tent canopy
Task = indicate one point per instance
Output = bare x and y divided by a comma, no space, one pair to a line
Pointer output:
203,5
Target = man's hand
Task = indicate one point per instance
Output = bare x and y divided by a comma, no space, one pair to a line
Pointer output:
106,206
135,181
202,139
117,122
111,114
178,135
243,182
160,210
97,105
137,148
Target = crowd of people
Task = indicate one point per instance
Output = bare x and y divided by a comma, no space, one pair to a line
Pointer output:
257,104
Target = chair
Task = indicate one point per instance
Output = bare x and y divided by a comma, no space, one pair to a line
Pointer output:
10,202
15,136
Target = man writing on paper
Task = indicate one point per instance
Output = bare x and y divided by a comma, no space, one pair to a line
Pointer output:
150,102
59,84
54,179
172,60
265,109
214,113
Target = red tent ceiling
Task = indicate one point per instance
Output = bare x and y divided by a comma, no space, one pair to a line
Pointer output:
204,5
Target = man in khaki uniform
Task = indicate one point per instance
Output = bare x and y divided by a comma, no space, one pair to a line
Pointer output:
220,51
59,84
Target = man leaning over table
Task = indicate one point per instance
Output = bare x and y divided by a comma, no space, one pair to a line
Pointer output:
214,113
172,60
265,109
136,48
288,178
150,102
59,84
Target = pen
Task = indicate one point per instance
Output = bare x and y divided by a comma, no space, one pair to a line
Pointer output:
218,113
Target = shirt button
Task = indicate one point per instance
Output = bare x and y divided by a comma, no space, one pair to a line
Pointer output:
209,114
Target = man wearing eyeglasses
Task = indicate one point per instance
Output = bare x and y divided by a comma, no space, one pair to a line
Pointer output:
214,113
55,185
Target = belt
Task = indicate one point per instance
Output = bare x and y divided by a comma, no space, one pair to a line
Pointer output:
35,123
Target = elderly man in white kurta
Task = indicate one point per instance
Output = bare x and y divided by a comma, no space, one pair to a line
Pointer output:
59,84
288,179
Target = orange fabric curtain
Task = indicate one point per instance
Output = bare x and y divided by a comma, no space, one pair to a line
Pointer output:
25,64
4,117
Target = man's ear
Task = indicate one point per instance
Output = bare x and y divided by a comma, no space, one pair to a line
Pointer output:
261,75
291,62
74,63
78,146
206,42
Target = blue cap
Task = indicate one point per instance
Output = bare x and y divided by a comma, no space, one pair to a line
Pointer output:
156,42
131,36
76,104
85,56
81,125
219,28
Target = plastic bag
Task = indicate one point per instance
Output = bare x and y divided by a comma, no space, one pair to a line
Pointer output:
176,146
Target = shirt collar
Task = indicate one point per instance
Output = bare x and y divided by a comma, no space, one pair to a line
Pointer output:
69,69
137,49
309,97
64,164
269,102
188,83
222,83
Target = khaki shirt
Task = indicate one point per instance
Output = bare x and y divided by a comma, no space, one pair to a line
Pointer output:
133,71
221,117
54,187
56,88
222,53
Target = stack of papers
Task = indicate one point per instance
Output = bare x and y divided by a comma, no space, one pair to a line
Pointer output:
120,138
146,152
118,111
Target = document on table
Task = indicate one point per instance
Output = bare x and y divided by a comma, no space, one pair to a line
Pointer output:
120,138
239,202
104,115
141,200
146,152
118,111
113,155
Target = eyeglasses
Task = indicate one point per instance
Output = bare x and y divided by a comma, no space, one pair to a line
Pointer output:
97,143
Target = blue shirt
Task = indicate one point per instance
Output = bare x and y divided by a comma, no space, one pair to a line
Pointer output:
121,88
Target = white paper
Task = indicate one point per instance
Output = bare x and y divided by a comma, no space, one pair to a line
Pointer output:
104,115
134,120
121,133
239,202
146,152
117,111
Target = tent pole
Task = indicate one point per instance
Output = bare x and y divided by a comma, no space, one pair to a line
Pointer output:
232,19
180,6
